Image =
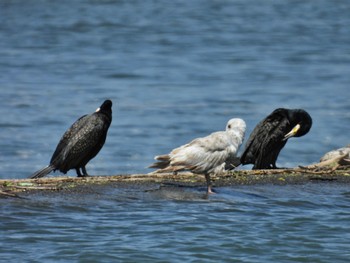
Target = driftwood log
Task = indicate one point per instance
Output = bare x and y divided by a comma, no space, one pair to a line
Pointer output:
337,169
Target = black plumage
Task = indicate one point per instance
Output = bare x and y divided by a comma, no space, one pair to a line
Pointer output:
80,143
271,134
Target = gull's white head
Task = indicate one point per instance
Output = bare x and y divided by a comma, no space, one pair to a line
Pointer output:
236,128
236,124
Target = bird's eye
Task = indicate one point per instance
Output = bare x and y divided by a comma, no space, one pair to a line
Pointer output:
229,126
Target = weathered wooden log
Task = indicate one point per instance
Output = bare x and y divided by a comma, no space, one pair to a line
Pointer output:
335,169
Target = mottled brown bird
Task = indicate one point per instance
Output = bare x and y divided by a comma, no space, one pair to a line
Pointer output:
207,155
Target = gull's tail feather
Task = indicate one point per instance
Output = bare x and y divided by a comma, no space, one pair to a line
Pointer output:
42,172
163,162
169,169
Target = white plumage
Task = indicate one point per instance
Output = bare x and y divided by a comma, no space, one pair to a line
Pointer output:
337,153
205,155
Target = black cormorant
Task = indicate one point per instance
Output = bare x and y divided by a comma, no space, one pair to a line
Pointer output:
271,134
80,143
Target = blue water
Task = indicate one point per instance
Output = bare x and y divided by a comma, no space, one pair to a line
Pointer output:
175,71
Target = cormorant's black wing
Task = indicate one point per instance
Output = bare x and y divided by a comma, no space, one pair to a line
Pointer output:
273,144
86,142
252,145
56,158
266,141
70,133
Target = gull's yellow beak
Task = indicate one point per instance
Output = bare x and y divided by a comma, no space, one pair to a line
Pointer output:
292,132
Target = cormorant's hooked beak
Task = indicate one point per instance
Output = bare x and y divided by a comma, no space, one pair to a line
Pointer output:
98,109
292,132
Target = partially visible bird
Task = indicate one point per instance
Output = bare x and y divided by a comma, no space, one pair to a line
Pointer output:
337,153
80,143
205,155
271,134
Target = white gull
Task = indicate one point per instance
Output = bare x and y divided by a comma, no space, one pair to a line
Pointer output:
205,155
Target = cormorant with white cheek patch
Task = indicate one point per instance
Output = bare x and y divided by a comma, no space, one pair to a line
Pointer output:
80,143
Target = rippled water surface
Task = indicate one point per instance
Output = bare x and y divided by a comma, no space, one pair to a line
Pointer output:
297,223
175,71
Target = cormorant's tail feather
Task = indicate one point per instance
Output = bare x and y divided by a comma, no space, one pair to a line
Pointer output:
42,172
232,163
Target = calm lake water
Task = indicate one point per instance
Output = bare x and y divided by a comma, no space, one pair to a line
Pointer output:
175,70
